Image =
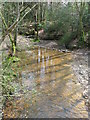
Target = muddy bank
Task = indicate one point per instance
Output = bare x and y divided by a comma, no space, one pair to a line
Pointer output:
25,43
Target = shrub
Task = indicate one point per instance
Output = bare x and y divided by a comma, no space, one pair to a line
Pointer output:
8,76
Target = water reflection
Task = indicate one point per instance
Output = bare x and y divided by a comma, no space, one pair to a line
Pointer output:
50,83
39,55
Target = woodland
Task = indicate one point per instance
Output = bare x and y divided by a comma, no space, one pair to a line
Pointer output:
37,39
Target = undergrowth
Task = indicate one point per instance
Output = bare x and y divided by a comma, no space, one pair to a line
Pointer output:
9,74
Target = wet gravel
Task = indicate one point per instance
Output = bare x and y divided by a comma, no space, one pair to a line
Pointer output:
80,68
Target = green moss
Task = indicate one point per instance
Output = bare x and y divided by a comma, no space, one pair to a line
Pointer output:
36,40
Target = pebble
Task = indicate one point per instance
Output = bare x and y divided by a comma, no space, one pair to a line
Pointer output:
81,71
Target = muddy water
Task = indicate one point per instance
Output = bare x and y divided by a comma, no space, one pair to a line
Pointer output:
49,87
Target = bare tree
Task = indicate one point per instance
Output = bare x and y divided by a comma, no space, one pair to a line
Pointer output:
13,26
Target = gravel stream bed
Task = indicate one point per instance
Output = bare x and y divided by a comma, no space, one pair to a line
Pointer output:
79,64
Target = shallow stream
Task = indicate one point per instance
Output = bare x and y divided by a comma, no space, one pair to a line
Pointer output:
50,86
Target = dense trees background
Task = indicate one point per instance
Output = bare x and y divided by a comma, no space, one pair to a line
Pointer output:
67,23
59,21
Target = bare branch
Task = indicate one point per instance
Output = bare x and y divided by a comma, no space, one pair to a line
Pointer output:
13,26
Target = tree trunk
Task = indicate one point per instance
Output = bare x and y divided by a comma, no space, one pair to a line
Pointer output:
10,36
80,10
36,23
16,29
41,17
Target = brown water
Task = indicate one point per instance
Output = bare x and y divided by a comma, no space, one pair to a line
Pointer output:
49,86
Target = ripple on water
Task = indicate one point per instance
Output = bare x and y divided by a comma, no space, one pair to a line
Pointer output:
50,84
